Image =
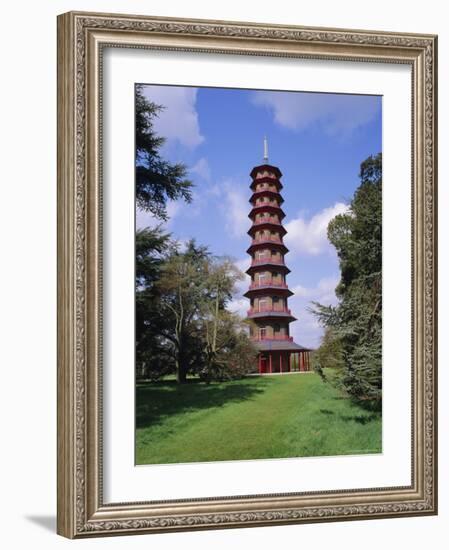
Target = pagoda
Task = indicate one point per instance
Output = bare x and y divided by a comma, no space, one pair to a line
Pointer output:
268,291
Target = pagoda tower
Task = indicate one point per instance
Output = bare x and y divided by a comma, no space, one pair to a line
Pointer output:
268,291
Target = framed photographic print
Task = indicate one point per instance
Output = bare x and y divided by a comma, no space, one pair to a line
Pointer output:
246,276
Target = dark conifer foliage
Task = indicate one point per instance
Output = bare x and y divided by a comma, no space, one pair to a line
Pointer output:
157,180
356,322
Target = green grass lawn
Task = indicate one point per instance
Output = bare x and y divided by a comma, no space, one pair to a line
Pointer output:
257,417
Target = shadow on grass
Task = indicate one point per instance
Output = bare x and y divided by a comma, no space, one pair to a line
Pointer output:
373,406
158,400
360,418
326,411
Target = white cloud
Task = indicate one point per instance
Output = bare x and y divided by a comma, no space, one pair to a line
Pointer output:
301,291
306,330
182,244
242,286
309,236
146,219
235,208
173,208
323,292
239,306
336,113
243,264
202,168
178,121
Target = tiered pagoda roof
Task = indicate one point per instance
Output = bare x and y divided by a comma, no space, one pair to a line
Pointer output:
268,269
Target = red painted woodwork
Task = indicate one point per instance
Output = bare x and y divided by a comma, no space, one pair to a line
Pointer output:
270,329
265,168
267,309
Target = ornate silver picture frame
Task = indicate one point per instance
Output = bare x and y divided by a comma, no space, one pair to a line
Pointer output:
82,39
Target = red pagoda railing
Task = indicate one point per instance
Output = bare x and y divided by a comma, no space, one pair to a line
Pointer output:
258,203
277,240
258,284
268,219
264,186
259,261
274,337
268,310
266,174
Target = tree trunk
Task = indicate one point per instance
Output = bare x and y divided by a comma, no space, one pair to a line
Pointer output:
181,372
181,367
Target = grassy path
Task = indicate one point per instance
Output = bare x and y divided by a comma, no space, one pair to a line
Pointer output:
257,417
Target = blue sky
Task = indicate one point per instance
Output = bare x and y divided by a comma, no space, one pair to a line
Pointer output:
318,142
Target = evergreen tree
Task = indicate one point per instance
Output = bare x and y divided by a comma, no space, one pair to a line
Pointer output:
157,180
356,322
152,248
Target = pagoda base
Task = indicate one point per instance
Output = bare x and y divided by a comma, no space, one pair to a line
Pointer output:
283,361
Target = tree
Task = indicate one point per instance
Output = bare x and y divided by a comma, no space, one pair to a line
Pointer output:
182,288
356,322
234,355
157,180
201,335
152,247
228,350
329,355
182,324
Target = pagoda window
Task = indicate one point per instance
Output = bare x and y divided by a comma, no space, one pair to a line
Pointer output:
262,332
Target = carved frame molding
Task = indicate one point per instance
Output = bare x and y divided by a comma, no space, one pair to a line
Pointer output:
81,39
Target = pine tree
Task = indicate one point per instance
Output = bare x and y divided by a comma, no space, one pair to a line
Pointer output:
356,322
157,180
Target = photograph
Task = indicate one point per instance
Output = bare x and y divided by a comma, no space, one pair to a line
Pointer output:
258,274
247,273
